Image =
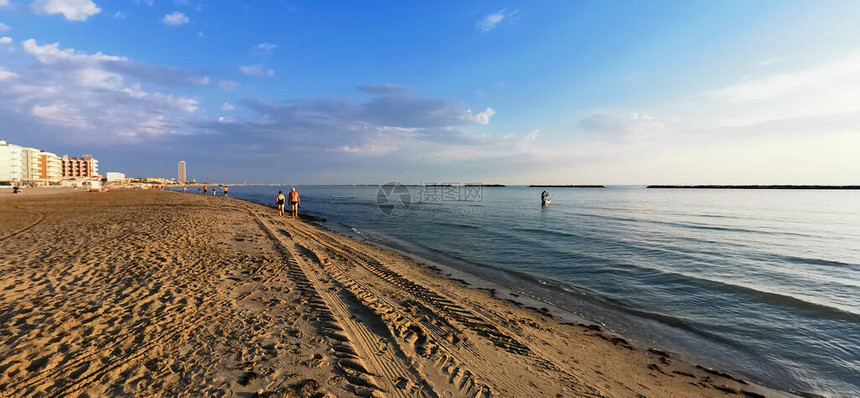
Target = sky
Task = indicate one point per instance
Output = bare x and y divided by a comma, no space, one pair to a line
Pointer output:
540,92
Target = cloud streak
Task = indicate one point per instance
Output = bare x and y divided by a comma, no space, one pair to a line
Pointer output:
493,20
391,121
256,70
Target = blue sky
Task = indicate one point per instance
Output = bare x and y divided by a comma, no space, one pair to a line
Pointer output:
609,92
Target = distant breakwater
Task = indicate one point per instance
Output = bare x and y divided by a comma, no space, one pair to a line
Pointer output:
566,186
755,186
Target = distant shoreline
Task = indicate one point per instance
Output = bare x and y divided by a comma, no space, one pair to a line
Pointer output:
840,187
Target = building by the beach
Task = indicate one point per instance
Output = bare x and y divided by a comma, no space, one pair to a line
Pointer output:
10,163
181,171
112,176
82,167
40,166
37,167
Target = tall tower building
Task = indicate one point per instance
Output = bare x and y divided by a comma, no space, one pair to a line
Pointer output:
181,171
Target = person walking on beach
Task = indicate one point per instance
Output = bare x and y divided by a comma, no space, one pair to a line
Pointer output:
226,188
205,190
280,200
294,203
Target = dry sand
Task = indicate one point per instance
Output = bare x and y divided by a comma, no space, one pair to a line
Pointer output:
149,293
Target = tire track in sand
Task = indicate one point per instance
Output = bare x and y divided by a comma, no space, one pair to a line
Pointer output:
370,368
470,320
42,217
414,335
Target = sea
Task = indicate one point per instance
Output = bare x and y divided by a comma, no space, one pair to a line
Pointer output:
762,283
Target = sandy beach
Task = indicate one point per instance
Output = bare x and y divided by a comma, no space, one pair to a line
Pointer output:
154,293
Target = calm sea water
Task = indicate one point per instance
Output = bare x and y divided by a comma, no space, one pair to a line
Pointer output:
765,283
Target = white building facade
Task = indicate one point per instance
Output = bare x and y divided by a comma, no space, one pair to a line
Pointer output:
30,168
112,176
38,166
11,162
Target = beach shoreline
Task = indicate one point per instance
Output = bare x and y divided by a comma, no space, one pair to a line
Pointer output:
281,303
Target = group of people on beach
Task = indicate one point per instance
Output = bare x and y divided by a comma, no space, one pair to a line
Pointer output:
294,200
281,200
205,191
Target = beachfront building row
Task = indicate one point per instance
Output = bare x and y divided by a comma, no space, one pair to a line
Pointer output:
30,165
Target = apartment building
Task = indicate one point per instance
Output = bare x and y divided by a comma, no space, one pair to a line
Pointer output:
82,167
50,167
10,163
40,166
30,166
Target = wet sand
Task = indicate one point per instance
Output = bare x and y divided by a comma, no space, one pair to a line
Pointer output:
153,293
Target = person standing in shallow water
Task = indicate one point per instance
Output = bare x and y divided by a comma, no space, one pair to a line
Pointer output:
294,203
280,200
226,188
205,190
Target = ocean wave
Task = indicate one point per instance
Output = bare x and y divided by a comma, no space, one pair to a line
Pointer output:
545,231
773,298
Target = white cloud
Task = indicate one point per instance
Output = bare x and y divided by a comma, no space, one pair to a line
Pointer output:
256,70
491,21
4,27
790,83
4,3
96,98
147,2
175,18
228,85
98,78
152,126
228,107
266,46
189,105
61,114
5,40
829,88
483,117
74,10
380,140
5,74
119,15
135,91
51,53
225,119
765,62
